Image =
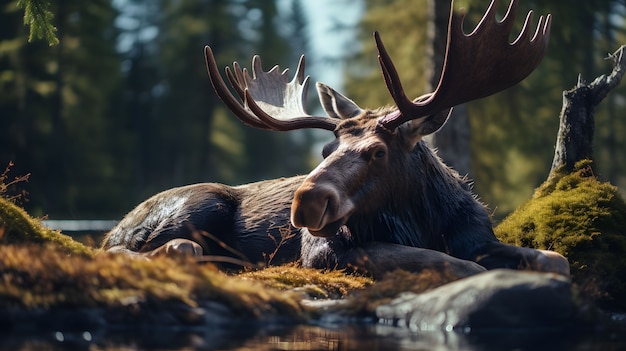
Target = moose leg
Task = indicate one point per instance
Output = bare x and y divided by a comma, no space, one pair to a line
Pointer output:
378,258
500,255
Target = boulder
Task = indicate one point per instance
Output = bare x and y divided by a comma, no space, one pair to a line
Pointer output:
492,300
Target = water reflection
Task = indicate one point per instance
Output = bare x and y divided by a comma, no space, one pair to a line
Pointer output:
311,337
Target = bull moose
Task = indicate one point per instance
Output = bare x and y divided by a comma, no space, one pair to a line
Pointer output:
381,199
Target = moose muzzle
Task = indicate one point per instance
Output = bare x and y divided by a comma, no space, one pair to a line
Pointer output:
320,207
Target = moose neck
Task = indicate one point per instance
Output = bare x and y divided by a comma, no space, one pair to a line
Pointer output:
422,210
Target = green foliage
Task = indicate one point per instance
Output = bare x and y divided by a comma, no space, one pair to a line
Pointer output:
58,108
38,17
582,218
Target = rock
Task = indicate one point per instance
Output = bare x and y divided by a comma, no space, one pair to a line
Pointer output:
494,299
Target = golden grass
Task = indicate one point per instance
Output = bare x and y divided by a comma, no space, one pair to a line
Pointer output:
42,276
315,283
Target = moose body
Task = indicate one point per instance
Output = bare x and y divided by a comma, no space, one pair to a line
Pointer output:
381,199
252,222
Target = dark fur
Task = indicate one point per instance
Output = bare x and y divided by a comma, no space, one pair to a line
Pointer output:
420,203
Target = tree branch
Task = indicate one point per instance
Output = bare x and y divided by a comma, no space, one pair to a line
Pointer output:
602,85
38,17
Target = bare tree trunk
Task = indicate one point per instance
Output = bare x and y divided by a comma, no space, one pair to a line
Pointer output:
575,137
453,140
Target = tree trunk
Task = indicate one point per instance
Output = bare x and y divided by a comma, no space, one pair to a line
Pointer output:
575,137
453,140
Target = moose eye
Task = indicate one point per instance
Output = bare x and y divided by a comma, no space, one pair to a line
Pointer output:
380,153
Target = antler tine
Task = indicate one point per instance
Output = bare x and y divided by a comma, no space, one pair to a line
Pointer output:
267,99
224,94
476,65
392,79
235,78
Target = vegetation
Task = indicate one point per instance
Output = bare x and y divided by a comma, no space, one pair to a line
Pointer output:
122,107
38,17
315,283
582,218
17,227
37,276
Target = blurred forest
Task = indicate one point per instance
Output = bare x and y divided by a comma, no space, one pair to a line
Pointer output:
122,107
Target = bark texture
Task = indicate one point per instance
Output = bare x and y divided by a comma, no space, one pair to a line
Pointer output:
576,128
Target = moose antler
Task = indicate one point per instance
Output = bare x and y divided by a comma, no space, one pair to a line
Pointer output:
476,65
268,99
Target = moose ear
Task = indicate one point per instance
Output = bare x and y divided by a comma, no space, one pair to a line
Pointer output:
335,104
434,122
421,127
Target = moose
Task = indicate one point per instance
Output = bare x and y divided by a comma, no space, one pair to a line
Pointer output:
380,200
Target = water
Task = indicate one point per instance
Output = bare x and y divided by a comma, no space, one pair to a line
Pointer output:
355,336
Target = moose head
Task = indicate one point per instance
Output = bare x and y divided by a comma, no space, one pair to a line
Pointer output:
366,164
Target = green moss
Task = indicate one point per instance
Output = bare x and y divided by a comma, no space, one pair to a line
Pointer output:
582,218
17,227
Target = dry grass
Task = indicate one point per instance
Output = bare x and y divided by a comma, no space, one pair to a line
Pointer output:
43,276
314,282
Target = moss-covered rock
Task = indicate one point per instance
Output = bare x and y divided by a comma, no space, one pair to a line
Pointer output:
582,218
17,227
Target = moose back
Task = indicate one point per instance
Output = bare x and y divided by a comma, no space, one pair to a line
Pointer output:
380,200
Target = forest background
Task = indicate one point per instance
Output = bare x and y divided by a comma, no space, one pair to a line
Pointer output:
122,107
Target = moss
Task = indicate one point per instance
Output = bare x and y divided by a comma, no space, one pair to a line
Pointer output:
314,282
17,227
582,218
36,276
